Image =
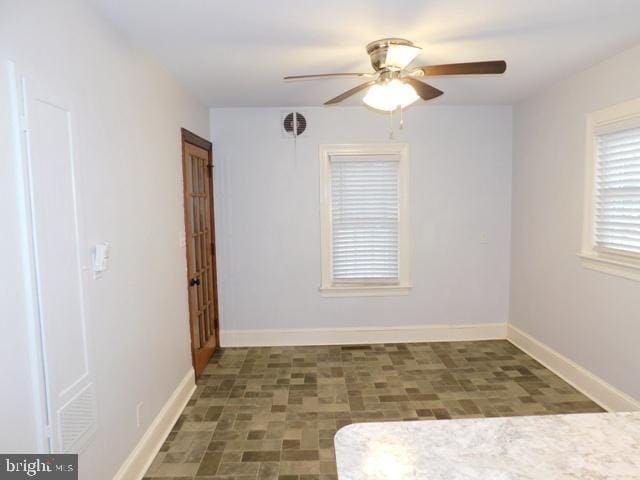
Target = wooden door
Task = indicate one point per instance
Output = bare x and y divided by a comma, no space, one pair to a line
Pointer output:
197,170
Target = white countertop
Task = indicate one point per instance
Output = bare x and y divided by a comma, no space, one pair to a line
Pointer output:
593,446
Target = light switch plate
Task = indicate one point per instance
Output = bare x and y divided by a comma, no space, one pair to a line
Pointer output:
101,254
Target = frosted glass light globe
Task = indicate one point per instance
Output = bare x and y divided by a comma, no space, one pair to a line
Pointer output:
390,95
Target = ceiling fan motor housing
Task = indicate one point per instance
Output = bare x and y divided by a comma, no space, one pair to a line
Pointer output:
382,58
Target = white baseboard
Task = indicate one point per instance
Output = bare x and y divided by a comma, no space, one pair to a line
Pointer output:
346,336
137,463
594,387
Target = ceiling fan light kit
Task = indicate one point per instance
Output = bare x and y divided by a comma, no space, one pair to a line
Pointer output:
390,95
396,86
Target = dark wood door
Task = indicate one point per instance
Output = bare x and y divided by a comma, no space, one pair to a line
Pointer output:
197,170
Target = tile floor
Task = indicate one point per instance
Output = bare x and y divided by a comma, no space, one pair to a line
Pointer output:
271,413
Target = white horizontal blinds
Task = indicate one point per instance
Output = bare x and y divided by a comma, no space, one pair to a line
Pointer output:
617,221
365,217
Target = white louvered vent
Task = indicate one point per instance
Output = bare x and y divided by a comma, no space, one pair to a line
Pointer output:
365,217
617,220
77,419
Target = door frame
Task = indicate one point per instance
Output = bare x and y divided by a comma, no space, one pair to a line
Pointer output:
188,137
14,90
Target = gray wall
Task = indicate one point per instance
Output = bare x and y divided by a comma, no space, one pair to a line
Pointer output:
128,116
588,316
269,229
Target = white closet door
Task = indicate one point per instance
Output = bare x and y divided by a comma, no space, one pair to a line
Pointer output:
58,252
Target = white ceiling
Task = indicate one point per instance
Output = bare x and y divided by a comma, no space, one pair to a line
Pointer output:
234,53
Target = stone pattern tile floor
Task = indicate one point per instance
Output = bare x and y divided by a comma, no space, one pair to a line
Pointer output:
271,413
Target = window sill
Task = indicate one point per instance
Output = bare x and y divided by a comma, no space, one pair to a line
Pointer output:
619,266
364,290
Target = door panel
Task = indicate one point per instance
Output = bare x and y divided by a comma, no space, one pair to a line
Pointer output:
199,226
59,274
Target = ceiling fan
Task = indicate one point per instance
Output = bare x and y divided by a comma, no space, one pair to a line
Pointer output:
393,85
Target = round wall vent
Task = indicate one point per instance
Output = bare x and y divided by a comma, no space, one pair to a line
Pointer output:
294,120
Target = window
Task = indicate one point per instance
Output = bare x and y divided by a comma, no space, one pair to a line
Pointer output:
611,239
364,215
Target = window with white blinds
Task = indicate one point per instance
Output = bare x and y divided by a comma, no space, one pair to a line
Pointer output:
611,234
617,191
364,216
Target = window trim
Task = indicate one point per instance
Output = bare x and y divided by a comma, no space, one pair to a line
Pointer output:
614,262
328,287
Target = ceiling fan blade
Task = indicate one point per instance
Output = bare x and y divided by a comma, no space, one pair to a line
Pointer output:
348,93
470,68
327,75
426,91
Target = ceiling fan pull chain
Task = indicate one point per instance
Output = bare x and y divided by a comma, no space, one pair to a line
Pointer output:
390,124
401,118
